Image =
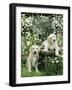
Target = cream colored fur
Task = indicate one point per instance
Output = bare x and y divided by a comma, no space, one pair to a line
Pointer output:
50,44
32,61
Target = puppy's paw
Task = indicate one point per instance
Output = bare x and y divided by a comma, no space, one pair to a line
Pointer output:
57,54
29,70
37,70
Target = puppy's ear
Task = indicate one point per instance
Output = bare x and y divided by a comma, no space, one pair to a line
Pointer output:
49,41
30,50
39,49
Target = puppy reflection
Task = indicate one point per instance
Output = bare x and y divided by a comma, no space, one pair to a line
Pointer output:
33,57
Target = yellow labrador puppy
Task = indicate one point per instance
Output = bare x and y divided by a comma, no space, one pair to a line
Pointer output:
50,44
33,57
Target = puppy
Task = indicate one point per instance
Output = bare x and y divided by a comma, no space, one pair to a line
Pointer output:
33,57
50,44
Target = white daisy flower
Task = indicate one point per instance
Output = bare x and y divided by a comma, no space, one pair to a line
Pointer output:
57,61
55,58
52,61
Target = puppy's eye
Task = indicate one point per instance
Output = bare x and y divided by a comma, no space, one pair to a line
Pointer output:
51,38
33,48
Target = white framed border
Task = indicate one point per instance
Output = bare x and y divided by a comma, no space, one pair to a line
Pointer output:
63,77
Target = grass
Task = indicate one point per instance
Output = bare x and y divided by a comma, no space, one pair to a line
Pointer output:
25,73
52,69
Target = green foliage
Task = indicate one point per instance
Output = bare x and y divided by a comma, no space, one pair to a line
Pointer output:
54,67
35,28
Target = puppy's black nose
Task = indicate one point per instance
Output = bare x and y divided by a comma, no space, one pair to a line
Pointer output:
54,40
34,52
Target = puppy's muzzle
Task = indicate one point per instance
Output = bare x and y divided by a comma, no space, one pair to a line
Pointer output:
54,40
35,52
